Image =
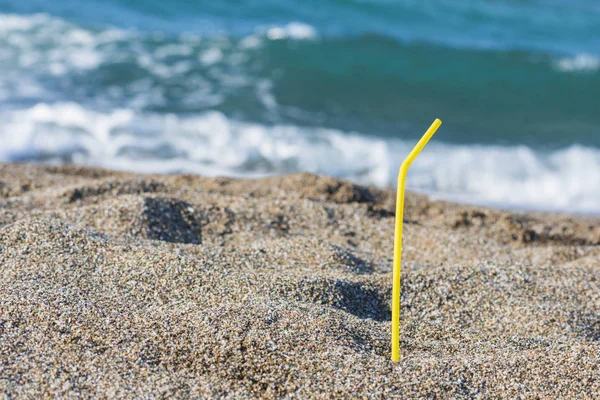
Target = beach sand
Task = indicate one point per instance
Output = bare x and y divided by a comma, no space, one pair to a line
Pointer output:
118,285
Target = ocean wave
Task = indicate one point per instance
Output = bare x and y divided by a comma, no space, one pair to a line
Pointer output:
555,26
288,73
289,96
213,144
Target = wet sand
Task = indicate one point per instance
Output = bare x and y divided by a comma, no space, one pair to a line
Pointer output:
117,285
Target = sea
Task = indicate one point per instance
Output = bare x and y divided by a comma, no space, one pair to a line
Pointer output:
250,88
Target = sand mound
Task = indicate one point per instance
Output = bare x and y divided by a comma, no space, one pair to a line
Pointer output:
117,285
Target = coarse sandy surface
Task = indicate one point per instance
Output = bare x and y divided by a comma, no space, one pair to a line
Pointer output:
140,286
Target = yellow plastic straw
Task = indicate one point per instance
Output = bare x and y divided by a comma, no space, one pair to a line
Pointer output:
398,237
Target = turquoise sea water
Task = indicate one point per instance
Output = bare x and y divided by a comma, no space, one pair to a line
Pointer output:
251,87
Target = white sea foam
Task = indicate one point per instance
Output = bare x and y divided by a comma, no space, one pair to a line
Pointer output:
212,144
292,30
49,44
14,22
37,51
512,176
211,56
580,62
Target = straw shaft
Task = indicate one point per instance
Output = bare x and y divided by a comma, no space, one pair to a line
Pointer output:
398,237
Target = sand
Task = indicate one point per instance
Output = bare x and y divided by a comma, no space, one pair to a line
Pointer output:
117,285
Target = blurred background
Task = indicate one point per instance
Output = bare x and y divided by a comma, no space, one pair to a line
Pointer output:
337,87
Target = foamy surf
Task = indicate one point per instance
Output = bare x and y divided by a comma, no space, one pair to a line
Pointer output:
579,63
213,144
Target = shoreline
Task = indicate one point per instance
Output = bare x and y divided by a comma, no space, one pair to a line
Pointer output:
116,284
456,199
